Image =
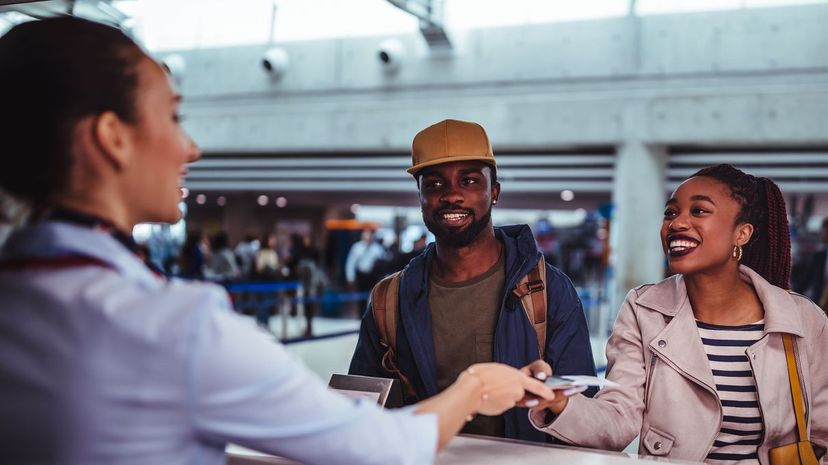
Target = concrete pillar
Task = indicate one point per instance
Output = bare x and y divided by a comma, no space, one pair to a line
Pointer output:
639,193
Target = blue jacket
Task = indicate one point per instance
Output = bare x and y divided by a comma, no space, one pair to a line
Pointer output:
515,343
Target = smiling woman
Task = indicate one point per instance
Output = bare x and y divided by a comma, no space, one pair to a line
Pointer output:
702,351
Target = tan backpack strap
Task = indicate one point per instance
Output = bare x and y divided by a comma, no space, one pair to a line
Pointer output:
385,308
392,303
378,308
531,290
796,388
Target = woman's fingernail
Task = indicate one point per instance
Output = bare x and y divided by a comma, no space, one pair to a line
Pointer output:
571,391
540,375
532,403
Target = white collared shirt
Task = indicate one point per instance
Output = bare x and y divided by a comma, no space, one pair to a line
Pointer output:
118,366
362,257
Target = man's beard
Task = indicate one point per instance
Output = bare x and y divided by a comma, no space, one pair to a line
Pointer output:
453,237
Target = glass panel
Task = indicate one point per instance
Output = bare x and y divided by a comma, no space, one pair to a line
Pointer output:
467,14
190,24
652,7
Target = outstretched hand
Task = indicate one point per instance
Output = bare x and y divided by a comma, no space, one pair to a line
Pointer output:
504,387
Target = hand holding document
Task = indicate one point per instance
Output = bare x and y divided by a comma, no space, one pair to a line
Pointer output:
566,386
566,382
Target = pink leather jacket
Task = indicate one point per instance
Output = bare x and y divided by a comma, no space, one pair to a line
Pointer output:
668,394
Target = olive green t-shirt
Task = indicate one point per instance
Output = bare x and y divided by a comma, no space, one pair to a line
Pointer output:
463,319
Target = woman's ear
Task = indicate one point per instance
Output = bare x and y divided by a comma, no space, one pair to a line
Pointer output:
114,138
744,232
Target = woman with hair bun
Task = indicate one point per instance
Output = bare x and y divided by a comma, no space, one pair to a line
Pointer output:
104,362
699,357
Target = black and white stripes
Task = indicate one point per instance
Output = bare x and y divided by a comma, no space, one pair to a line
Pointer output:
741,430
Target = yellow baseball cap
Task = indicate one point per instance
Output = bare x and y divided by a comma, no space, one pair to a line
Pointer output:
448,141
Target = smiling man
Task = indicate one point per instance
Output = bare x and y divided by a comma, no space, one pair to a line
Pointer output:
455,301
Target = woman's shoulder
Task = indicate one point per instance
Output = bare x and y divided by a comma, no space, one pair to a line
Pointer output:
120,298
814,317
662,293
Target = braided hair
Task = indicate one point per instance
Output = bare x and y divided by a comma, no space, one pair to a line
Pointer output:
769,250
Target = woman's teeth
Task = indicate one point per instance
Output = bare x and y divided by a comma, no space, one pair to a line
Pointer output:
682,245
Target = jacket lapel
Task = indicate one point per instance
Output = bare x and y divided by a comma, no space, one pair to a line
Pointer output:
510,336
779,306
415,315
678,343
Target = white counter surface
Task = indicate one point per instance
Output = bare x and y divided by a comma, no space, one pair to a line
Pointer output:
475,450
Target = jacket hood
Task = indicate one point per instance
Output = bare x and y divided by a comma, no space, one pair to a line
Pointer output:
521,251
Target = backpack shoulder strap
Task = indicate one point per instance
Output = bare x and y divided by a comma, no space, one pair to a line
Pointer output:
385,303
531,290
384,309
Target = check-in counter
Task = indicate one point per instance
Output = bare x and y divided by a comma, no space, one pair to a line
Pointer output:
476,450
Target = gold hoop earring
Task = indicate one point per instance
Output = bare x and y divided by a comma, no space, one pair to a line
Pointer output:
737,252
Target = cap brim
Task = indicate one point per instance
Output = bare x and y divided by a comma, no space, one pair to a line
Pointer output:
442,161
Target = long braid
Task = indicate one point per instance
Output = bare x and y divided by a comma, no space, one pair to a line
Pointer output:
779,238
762,205
758,252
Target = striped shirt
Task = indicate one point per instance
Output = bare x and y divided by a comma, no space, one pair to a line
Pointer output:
741,430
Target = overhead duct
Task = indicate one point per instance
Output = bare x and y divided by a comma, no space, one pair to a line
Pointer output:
589,171
430,14
95,10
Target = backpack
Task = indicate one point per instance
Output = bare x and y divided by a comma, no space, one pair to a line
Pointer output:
530,290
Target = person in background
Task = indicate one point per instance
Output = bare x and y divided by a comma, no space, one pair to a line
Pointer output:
359,266
105,362
267,263
223,265
313,278
245,252
396,259
699,356
194,256
814,282
416,249
143,253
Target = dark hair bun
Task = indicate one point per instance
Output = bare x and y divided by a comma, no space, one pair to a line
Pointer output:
60,70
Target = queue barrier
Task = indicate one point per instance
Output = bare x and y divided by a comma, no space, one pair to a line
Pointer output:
263,297
284,296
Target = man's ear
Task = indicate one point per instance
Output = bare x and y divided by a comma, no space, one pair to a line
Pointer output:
495,191
113,137
744,232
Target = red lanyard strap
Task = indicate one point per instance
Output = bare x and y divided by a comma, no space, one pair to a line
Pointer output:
52,263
